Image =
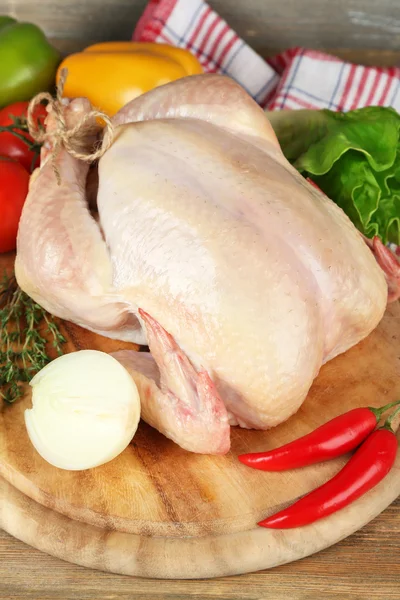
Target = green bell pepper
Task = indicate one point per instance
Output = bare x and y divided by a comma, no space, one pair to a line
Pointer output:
6,20
28,63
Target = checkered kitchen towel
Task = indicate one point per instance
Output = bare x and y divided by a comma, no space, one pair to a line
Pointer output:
297,78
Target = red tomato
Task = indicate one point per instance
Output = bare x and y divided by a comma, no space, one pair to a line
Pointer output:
11,145
14,183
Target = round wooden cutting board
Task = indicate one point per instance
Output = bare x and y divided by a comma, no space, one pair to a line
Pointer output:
159,511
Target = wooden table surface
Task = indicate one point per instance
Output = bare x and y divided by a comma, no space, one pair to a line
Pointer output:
365,566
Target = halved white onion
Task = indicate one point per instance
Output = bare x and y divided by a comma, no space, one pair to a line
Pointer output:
86,410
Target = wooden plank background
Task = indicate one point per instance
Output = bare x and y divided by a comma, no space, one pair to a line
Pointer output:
268,25
365,566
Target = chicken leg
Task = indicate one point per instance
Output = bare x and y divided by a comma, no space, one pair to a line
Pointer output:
62,260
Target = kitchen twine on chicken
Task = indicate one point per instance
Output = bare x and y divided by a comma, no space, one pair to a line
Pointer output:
73,140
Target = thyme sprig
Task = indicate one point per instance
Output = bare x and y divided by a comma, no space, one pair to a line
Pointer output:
23,345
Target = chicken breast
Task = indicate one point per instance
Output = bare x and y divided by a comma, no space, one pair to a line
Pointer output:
242,277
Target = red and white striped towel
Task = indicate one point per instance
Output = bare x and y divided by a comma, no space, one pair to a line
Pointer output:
312,79
298,78
193,25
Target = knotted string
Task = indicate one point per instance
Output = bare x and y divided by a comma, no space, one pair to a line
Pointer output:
74,140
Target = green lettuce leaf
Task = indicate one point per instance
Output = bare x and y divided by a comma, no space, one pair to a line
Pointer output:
353,157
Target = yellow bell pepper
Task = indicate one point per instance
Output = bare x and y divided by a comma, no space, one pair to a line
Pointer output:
111,74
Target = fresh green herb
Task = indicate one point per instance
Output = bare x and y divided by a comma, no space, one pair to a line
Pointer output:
23,347
353,157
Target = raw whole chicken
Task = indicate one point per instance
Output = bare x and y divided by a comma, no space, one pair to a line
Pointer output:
240,276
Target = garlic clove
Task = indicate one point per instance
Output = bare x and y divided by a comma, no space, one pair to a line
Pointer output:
85,410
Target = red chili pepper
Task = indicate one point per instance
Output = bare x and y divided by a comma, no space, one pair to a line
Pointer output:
367,467
334,438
